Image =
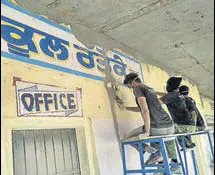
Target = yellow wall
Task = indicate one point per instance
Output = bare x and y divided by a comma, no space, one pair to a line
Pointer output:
156,78
91,101
207,106
95,104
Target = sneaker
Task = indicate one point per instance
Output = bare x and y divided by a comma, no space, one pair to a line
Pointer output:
190,147
174,161
154,158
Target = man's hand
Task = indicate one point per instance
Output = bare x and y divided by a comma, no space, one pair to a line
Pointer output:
119,100
160,93
194,116
147,134
120,103
144,136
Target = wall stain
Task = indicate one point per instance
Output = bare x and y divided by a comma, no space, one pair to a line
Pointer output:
54,4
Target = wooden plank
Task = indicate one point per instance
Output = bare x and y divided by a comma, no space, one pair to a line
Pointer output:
41,152
30,150
58,151
18,153
49,150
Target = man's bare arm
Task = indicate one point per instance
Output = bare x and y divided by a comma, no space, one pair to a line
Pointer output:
194,116
160,93
145,113
121,105
160,101
133,109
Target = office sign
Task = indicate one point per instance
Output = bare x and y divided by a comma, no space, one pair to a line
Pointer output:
46,100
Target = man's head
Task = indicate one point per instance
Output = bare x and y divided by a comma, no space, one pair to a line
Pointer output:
173,83
132,80
184,90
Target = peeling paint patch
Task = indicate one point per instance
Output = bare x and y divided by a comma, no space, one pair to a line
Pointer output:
54,4
196,30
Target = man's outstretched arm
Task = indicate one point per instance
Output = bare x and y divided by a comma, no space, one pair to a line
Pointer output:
133,109
160,93
121,105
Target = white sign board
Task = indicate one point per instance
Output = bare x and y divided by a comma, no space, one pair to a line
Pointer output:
36,40
44,100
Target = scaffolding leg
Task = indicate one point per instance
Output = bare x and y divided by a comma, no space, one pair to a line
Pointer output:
211,144
185,155
179,155
194,162
140,146
165,157
123,159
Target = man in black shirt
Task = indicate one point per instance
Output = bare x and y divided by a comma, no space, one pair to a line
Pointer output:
192,108
177,107
156,119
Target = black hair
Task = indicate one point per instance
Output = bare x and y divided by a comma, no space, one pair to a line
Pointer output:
184,90
130,77
173,83
138,80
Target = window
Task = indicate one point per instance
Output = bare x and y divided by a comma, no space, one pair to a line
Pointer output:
45,152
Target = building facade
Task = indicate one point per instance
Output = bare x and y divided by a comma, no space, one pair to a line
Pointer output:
57,117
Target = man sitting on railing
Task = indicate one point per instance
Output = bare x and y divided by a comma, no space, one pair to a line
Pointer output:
156,119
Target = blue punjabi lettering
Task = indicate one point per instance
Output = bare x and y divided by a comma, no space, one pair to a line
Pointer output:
24,98
85,59
18,38
20,41
22,38
119,68
55,44
102,64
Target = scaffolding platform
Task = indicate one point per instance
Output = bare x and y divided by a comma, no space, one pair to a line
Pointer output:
165,166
